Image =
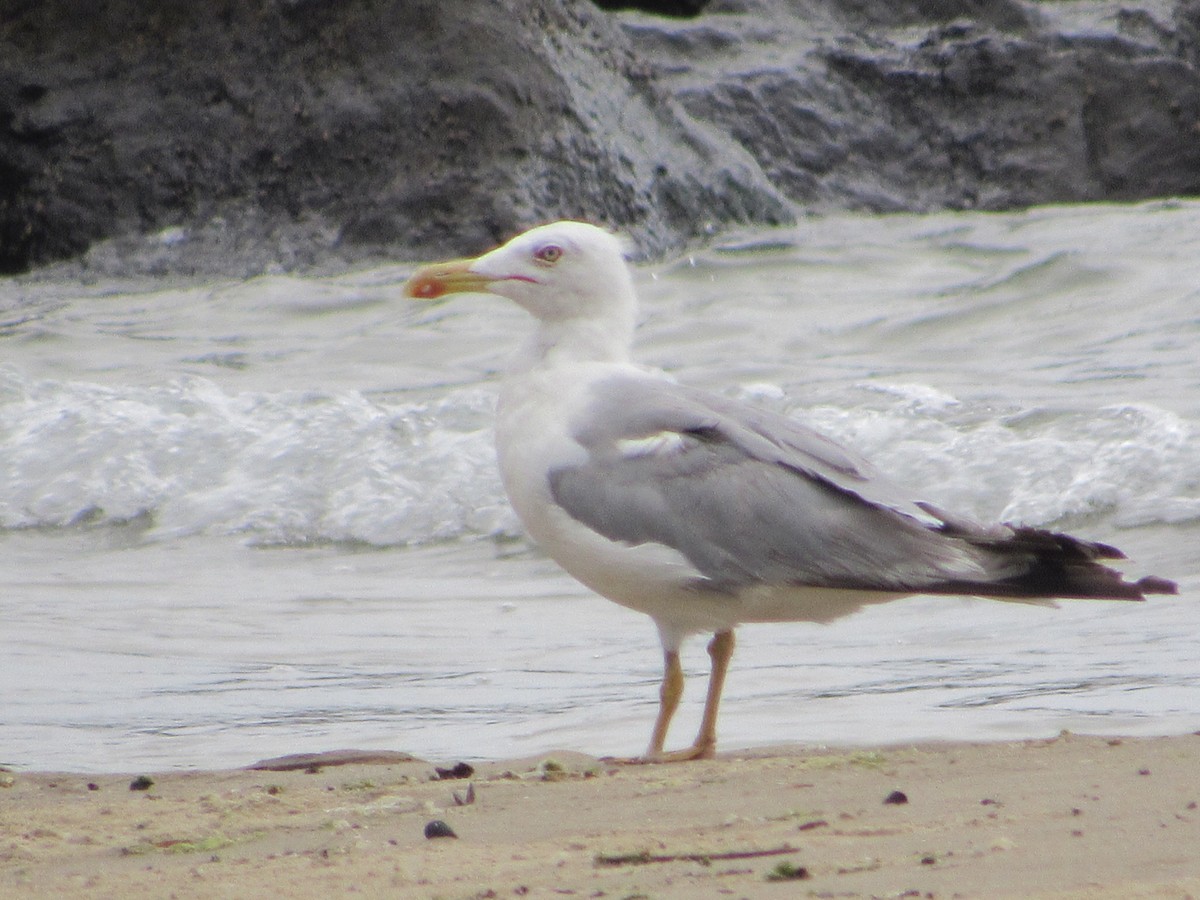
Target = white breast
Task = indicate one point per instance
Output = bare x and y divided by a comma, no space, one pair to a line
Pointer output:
532,439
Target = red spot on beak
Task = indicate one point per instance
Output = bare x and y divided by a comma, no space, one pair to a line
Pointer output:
427,288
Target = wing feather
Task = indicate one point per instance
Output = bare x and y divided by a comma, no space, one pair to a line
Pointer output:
748,497
754,498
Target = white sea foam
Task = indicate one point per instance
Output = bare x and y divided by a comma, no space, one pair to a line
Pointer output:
1133,464
189,458
290,467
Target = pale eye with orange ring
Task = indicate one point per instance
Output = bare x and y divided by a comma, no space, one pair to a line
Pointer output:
549,254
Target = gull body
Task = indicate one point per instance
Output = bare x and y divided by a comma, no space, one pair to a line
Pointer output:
702,512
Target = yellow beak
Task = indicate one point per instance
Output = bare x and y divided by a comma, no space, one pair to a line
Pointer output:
452,277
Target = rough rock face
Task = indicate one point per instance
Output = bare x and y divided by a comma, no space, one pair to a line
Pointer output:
924,105
240,135
296,132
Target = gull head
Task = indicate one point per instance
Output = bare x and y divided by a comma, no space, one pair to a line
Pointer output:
561,272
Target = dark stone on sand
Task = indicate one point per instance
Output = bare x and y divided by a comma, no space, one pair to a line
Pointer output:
457,771
439,829
317,761
896,798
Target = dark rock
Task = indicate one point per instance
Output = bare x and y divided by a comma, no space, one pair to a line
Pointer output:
959,103
238,137
658,7
245,135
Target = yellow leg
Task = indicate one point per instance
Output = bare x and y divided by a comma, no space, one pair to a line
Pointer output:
720,650
668,702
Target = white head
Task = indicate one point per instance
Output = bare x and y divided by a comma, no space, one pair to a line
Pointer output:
570,275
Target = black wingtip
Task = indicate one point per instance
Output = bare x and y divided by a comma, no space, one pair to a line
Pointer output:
1106,551
1152,584
1059,565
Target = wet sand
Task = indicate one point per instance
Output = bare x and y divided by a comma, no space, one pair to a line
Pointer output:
1068,817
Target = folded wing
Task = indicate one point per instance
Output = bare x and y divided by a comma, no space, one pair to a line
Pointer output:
753,498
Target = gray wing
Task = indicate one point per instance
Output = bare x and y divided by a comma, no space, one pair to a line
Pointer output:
751,497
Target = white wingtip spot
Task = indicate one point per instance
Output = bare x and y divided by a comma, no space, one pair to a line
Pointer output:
660,443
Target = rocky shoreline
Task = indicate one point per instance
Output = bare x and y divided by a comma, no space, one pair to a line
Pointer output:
235,138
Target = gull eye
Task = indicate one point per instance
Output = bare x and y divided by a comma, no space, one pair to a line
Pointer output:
549,254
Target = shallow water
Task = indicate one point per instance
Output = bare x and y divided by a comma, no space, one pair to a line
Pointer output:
251,518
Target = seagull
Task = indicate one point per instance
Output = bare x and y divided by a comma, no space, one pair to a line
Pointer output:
704,512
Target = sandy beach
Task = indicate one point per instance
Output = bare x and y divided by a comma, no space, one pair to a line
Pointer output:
1071,816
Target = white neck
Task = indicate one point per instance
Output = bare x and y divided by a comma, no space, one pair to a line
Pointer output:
606,338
